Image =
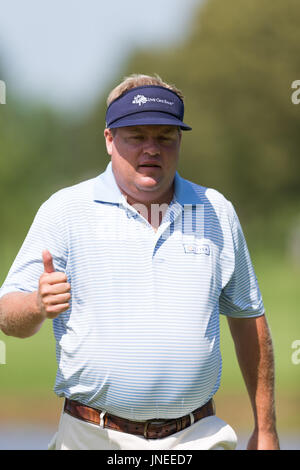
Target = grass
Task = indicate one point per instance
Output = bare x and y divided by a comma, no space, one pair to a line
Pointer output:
30,363
279,284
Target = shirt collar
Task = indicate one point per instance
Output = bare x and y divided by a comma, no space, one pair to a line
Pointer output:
107,190
185,191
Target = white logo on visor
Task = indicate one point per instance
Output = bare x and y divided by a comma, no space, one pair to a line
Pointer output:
141,99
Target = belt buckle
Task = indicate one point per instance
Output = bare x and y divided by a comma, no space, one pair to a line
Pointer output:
151,421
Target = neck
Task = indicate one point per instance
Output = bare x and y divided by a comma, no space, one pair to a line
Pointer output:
154,210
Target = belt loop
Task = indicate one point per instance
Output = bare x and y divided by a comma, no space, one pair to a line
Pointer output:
213,406
192,418
146,429
101,424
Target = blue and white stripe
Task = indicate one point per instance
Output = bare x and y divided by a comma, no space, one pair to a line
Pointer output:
141,337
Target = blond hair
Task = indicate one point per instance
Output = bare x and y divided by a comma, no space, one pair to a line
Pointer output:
136,80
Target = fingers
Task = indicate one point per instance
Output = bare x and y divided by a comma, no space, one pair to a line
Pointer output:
54,278
48,262
53,311
58,299
54,290
54,299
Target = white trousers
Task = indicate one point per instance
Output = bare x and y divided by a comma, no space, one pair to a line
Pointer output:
209,433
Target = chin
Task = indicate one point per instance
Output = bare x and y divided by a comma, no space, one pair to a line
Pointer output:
148,182
148,187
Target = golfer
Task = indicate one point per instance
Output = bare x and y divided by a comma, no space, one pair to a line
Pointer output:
134,267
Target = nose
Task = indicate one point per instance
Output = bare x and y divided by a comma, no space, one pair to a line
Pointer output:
151,146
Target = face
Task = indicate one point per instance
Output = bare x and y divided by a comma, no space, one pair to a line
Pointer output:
144,161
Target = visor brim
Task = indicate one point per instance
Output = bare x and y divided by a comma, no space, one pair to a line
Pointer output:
149,119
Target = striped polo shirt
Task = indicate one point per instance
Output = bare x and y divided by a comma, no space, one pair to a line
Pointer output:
141,337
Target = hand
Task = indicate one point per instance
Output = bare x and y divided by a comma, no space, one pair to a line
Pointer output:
263,440
54,291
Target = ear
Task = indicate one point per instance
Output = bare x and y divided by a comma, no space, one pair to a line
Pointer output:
108,140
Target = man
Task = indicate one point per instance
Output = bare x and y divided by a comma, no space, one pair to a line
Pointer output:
134,267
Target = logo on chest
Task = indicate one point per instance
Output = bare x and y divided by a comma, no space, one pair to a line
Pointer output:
197,248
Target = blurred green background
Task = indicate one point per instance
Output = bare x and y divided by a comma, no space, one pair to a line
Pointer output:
235,68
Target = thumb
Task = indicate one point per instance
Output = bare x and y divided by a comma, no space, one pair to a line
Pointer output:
48,262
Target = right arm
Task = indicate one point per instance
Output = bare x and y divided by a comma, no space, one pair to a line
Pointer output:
20,315
23,313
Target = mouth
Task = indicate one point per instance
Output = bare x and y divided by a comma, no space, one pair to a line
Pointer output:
150,165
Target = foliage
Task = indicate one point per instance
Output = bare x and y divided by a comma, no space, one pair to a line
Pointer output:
236,70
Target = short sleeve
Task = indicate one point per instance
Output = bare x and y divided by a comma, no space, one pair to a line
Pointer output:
44,233
241,297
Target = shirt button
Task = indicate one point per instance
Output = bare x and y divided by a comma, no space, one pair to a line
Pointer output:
131,215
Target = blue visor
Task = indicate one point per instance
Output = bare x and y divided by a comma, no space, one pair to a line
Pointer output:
146,105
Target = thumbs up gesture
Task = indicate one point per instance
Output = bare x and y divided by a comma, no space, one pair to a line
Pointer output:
54,290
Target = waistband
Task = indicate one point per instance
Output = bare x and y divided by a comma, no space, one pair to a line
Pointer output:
150,429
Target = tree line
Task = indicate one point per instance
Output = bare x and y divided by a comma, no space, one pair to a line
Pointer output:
236,68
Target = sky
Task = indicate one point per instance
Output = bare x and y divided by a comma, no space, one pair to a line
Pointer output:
64,52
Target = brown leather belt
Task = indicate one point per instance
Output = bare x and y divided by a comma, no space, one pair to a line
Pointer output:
150,429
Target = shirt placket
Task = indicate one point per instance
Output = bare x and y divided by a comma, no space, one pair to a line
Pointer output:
164,230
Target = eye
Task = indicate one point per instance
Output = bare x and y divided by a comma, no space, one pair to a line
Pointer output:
137,137
166,139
